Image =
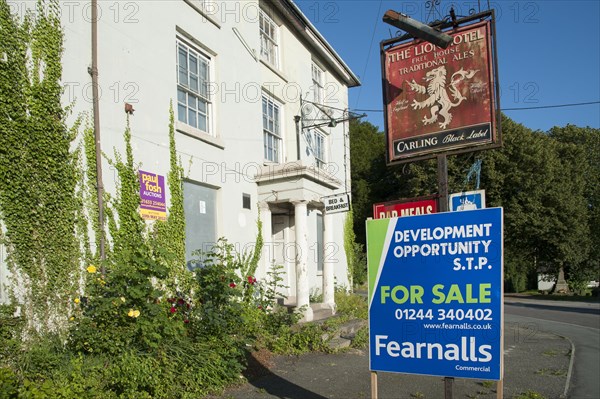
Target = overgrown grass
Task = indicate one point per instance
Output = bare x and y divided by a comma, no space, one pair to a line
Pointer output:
295,339
529,395
160,353
351,306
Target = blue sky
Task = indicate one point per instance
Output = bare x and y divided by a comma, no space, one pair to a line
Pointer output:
548,53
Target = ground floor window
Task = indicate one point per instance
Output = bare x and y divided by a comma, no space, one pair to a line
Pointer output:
200,208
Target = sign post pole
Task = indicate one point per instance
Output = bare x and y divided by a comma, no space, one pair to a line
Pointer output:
373,384
442,172
448,386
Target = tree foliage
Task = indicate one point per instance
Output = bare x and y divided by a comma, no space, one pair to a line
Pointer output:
547,183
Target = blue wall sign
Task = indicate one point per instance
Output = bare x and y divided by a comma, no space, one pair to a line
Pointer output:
435,294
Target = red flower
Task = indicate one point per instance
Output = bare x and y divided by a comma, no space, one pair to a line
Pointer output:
186,321
232,285
173,309
260,307
180,301
251,280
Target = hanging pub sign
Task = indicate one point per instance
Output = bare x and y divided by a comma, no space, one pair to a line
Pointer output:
440,100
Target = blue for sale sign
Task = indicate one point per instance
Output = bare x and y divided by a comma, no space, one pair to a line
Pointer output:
435,294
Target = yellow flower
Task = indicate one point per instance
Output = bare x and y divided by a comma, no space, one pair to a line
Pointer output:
76,300
133,313
71,318
123,299
91,269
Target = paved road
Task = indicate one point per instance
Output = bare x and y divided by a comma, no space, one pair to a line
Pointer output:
536,360
577,313
580,323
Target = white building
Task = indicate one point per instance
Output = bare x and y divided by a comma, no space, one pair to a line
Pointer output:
236,72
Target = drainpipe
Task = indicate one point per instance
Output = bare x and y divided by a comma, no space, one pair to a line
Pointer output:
96,107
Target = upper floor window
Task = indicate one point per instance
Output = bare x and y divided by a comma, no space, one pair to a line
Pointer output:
320,148
193,96
269,41
318,82
271,116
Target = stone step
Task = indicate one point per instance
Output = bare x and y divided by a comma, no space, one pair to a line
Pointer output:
322,314
350,328
339,343
343,336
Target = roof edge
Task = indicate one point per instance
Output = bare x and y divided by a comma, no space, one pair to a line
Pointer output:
353,80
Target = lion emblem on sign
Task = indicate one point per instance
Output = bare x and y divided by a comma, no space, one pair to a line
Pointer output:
439,101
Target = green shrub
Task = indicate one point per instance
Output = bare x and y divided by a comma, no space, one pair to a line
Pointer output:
351,306
219,295
128,339
41,356
123,311
8,384
361,339
288,341
10,332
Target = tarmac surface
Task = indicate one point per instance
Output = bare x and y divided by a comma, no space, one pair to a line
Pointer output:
536,363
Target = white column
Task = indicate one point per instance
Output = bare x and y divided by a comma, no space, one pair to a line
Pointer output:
328,262
302,289
267,255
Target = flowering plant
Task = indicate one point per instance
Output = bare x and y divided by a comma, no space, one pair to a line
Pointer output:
123,310
180,309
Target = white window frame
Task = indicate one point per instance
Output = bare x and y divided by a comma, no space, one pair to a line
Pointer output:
318,80
269,39
191,95
320,143
272,135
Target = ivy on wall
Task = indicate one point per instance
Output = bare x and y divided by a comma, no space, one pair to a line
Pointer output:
349,244
48,197
89,192
357,262
169,236
253,257
37,169
128,236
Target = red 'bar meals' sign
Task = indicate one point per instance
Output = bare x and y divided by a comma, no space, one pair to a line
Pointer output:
440,100
394,209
